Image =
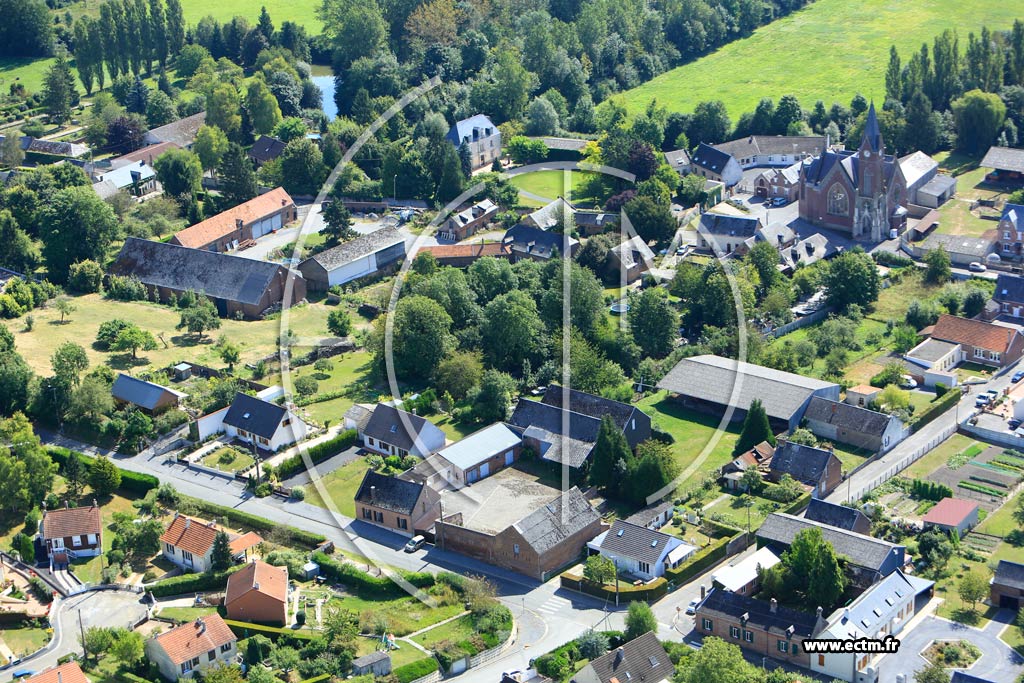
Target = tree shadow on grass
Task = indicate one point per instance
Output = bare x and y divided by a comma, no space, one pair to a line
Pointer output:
124,361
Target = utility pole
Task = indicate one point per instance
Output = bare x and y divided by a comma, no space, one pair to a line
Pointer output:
81,631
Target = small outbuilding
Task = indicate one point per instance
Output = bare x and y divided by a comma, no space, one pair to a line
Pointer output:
951,514
377,663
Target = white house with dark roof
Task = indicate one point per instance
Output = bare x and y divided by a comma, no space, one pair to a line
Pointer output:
882,610
713,164
639,551
722,233
714,384
853,425
361,257
390,431
480,135
269,425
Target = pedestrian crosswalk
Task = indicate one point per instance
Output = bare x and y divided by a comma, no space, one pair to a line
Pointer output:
555,605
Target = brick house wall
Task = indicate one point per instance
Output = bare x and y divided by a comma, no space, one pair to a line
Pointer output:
762,643
258,607
424,513
1005,596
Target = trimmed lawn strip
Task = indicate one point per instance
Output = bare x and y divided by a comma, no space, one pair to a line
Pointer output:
23,641
937,457
341,486
456,631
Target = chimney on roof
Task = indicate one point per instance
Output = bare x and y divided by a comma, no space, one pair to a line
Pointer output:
142,163
620,654
703,591
255,585
774,606
60,677
373,492
238,223
846,614
835,407
188,522
94,502
819,611
200,626
67,504
283,202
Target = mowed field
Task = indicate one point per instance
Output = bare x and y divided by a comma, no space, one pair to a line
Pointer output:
26,70
302,12
829,50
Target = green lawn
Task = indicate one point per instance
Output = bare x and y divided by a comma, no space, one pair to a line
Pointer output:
788,55
401,615
405,654
350,373
851,456
302,12
1001,522
692,432
340,485
735,513
551,184
23,641
257,338
228,459
184,614
25,70
455,630
937,457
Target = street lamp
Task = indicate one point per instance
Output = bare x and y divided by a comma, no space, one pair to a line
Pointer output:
394,187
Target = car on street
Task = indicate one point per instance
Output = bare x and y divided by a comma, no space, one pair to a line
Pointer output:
1013,424
976,267
982,400
23,673
415,543
1017,376
692,607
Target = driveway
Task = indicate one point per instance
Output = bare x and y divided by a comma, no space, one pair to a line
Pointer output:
998,663
96,608
324,468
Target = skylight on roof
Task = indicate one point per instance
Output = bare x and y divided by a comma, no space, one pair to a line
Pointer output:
245,416
653,661
865,623
620,532
654,543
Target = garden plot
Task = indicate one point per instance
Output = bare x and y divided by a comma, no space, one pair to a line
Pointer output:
982,473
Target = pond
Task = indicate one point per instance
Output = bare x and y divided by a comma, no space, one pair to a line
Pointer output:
323,76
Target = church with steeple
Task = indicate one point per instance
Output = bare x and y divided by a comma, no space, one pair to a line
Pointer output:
861,192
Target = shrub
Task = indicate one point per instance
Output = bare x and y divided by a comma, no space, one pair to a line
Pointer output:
263,490
300,617
125,288
85,277
133,482
191,583
298,493
413,670
306,386
940,389
317,454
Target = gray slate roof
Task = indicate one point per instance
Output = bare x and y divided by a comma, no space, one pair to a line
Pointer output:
372,658
397,427
388,493
347,252
464,129
725,224
712,378
1014,215
1009,288
847,416
974,247
759,614
254,415
181,132
677,158
642,659
138,392
938,185
804,463
1010,574
1004,159
772,144
589,404
266,148
544,422
221,276
552,523
860,550
634,541
530,240
839,516
962,677
710,158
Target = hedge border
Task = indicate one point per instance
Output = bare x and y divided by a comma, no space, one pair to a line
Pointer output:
654,590
240,517
135,482
191,583
418,669
317,454
239,628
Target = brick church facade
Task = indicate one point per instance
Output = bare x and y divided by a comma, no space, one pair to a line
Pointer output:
860,192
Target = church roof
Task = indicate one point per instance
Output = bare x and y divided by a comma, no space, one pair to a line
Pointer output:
872,132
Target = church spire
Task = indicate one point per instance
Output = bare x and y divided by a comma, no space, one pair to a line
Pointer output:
872,140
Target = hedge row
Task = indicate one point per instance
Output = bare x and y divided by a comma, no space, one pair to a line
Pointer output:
360,582
320,398
192,583
244,629
938,407
703,559
413,670
240,518
798,504
654,590
133,482
317,453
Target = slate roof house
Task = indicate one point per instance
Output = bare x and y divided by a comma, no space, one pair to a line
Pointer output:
762,627
150,398
869,559
816,468
631,258
641,660
481,137
258,593
1006,589
1007,164
853,425
1010,241
964,677
540,423
679,160
181,132
779,182
248,221
234,284
538,544
755,151
266,148
69,533
726,234
467,222
860,192
528,242
951,514
194,646
366,255
708,382
839,516
1009,295
396,504
639,551
713,164
269,425
479,454
391,431
377,663
137,180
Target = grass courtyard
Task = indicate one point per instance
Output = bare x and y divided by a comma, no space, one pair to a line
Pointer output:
26,70
302,12
738,74
551,184
228,459
340,487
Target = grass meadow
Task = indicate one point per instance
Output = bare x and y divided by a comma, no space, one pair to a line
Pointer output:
830,50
